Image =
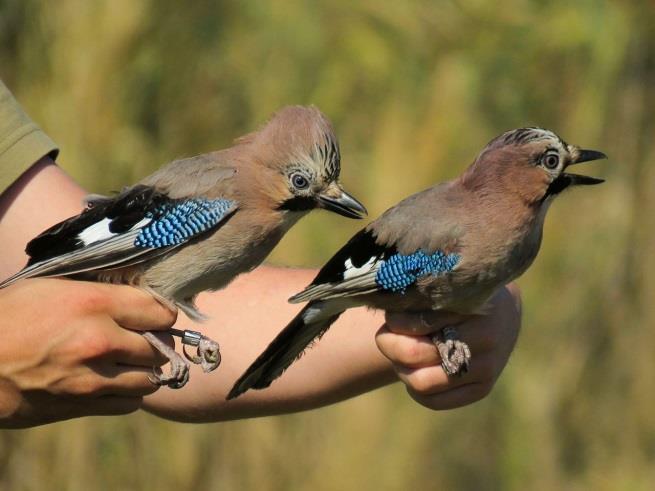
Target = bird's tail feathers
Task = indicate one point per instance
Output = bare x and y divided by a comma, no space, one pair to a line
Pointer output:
357,285
102,255
51,267
24,273
289,345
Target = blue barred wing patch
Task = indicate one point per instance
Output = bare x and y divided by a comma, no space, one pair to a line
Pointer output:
176,222
401,271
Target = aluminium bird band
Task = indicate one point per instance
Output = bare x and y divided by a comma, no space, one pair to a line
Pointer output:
189,337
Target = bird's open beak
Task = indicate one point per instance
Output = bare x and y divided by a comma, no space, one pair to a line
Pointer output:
584,156
337,200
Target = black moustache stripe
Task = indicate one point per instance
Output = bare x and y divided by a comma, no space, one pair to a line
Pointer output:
298,203
558,185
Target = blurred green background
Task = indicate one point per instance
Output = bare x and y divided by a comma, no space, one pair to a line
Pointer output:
415,89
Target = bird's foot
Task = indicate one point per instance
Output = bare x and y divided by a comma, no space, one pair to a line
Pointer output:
455,354
178,375
208,354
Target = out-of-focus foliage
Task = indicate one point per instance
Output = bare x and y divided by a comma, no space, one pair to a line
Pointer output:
415,89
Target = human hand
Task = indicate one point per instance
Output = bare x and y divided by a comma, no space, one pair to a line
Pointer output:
67,350
405,341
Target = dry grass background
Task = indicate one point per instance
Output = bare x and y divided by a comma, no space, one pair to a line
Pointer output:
415,89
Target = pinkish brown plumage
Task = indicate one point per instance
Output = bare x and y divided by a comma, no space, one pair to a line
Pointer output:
197,223
446,248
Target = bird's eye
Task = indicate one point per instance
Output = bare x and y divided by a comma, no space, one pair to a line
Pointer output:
299,181
550,161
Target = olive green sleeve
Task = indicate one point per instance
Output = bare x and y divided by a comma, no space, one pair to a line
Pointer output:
22,143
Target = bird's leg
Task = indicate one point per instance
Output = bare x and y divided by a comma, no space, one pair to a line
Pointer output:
455,354
179,373
208,354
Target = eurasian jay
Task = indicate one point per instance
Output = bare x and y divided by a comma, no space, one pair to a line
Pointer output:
197,223
447,248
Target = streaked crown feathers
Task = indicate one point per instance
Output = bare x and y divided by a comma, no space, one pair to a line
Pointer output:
300,134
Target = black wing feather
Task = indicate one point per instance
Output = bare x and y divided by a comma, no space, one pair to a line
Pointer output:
359,249
125,210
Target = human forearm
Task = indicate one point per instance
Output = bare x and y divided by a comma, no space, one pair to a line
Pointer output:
41,197
347,361
244,318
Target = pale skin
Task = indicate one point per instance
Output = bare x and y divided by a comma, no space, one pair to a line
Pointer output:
68,350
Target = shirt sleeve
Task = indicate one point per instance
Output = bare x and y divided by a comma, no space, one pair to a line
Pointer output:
22,143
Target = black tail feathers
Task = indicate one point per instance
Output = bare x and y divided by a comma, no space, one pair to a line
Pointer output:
310,324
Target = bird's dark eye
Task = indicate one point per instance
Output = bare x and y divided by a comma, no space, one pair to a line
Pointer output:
299,181
550,161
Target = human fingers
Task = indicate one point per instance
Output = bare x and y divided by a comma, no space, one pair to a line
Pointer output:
133,308
456,397
407,350
125,381
431,380
131,348
419,351
98,378
101,340
130,307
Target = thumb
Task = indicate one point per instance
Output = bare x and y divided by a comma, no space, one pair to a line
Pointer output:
136,309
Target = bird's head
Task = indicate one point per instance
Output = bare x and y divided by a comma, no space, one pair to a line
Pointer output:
299,147
531,162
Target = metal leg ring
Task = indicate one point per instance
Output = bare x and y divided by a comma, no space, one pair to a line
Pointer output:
189,337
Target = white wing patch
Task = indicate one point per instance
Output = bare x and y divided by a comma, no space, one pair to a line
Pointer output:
350,270
96,232
99,231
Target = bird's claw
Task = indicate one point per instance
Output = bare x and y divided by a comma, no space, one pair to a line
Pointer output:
177,377
178,374
208,354
455,354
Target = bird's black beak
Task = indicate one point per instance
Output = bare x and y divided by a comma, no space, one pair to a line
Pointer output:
588,156
567,179
585,156
579,180
337,200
